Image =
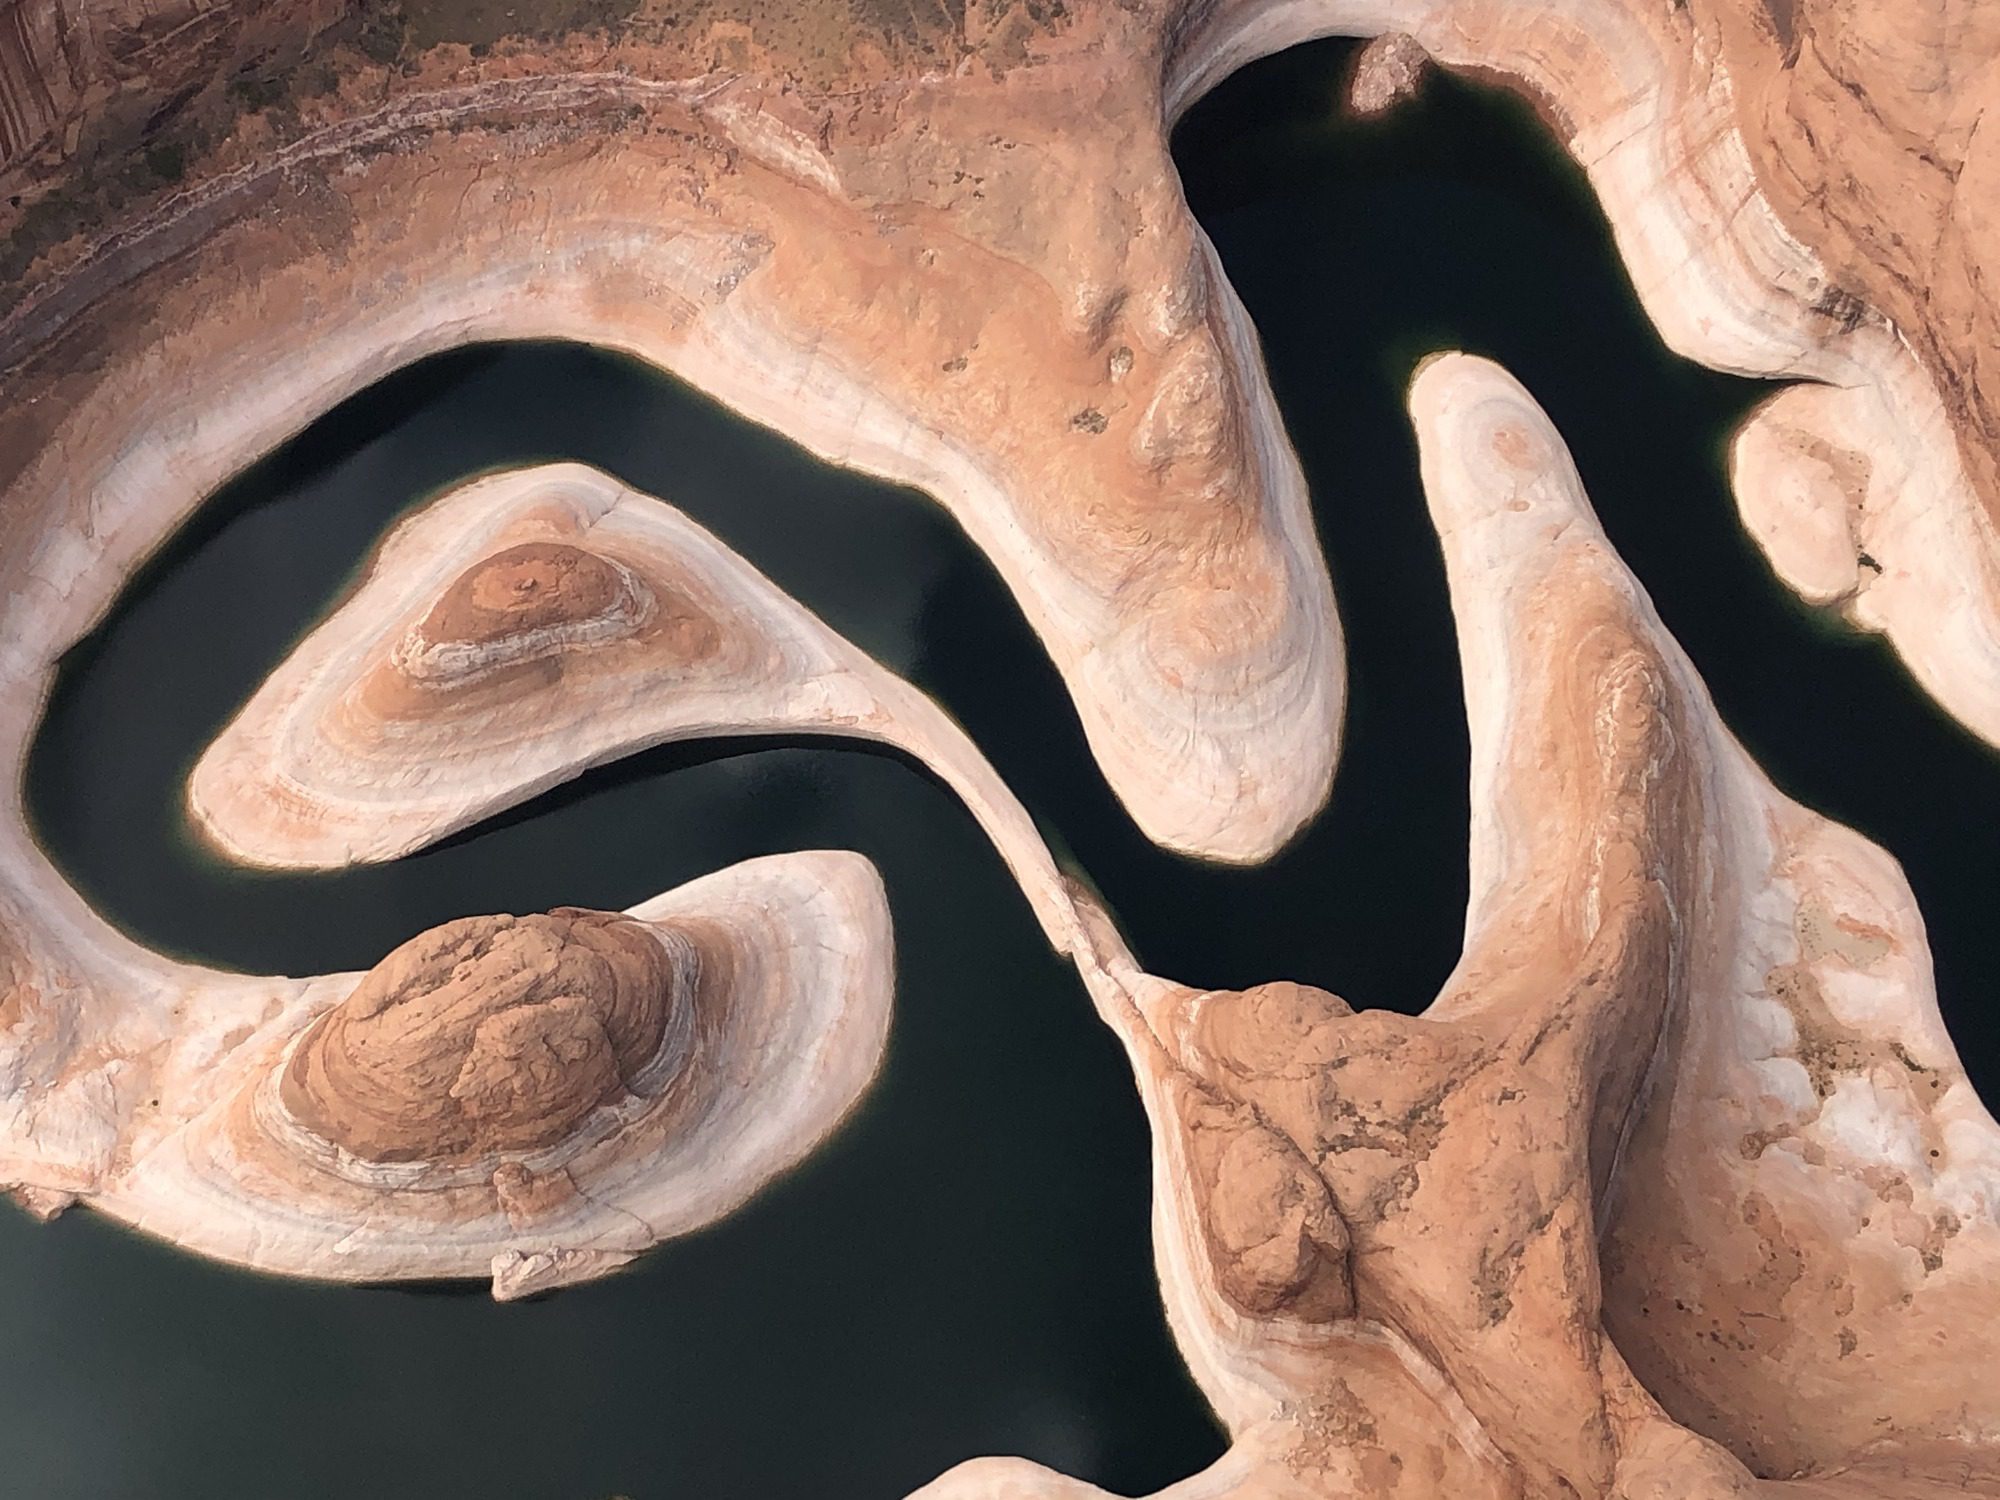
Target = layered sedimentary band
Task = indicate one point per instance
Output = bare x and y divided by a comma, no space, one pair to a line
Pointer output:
494,1035
1799,190
1021,319
1677,1189
526,627
945,279
536,1099
980,278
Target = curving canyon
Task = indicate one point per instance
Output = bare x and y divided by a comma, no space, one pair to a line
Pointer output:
1676,1181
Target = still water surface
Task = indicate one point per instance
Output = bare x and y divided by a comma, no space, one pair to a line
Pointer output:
965,1268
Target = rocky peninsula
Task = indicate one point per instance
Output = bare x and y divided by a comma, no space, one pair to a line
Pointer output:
531,625
1687,1088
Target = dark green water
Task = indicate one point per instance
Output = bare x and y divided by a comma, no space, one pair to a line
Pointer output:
965,1268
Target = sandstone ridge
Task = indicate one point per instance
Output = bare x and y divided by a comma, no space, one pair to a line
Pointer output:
527,626
1493,1250
1677,1190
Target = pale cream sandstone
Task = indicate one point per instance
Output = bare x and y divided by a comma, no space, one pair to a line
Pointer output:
939,283
525,627
1797,188
1389,70
1677,1189
534,1099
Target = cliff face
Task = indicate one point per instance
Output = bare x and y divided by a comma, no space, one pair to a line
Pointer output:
87,79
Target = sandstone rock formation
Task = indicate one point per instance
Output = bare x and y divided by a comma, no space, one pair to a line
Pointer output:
535,1099
1678,1188
524,628
488,1035
1799,188
952,250
1387,71
945,285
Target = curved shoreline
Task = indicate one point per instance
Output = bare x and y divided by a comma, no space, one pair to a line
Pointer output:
316,772
1658,948
1663,147
705,289
223,1170
1651,923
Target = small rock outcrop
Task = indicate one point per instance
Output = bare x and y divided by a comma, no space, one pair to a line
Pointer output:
1390,69
487,1035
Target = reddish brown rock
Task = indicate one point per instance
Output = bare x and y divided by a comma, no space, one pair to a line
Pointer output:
486,1035
1678,1191
525,627
1574,1269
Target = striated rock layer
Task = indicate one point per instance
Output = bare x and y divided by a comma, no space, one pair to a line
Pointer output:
536,1099
951,249
488,1035
1800,189
1677,1189
528,626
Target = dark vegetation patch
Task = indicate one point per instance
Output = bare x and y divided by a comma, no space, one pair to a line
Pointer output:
420,24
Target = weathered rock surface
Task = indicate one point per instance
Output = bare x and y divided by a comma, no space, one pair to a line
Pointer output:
1800,189
487,1035
951,250
1678,1189
1387,71
928,275
537,1099
525,627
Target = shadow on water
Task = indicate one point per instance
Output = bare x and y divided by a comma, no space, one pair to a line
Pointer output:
916,1294
670,759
